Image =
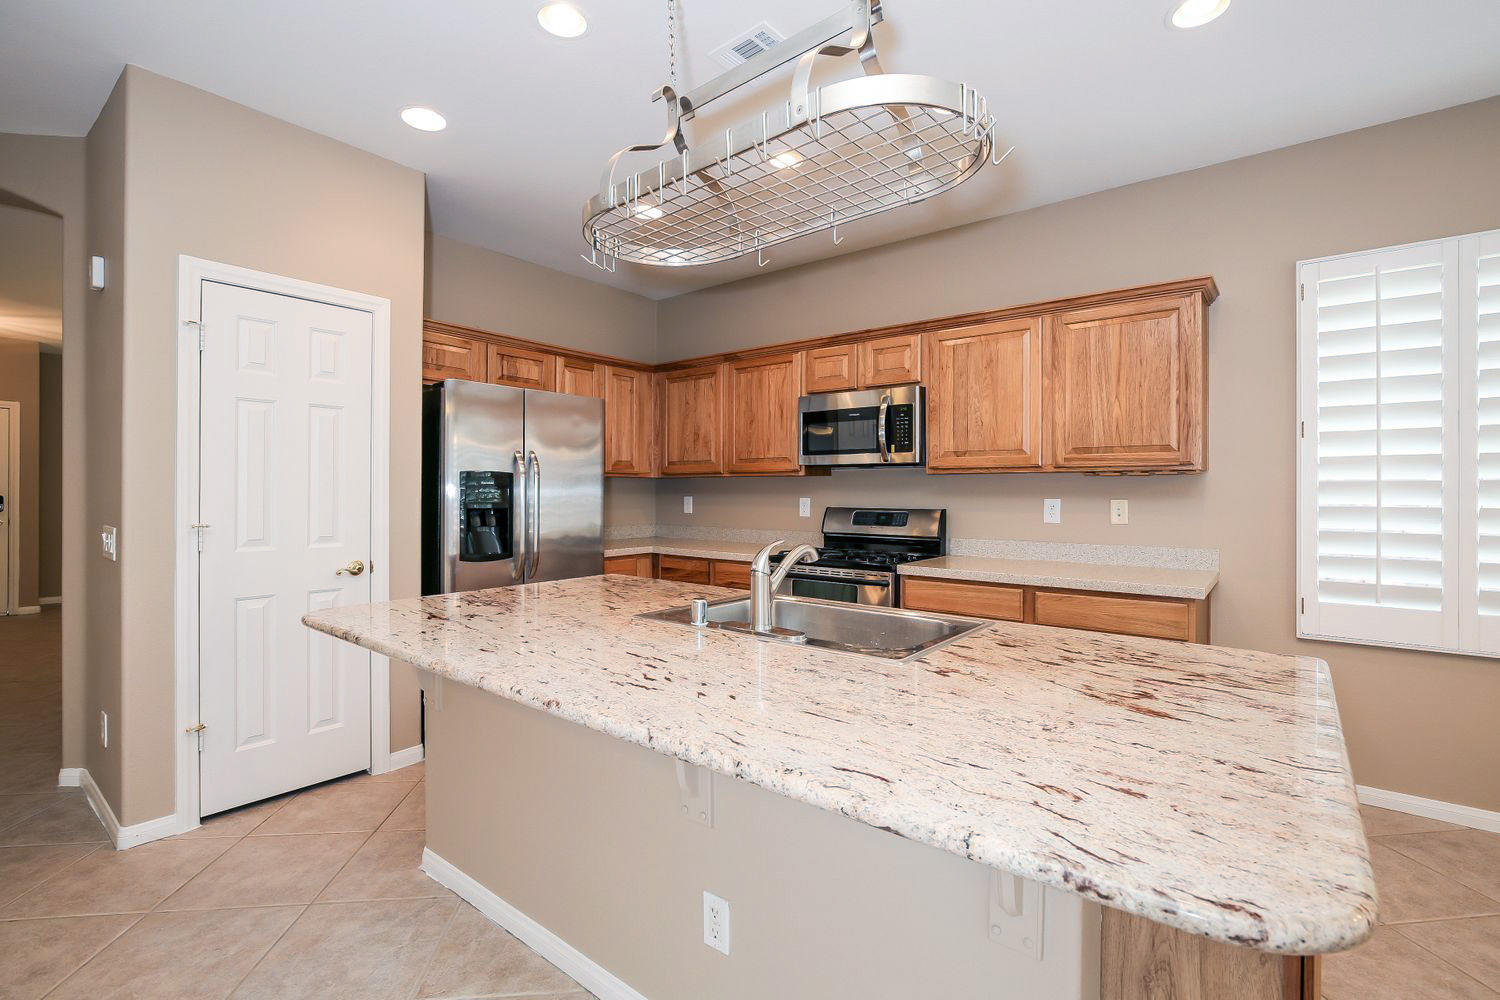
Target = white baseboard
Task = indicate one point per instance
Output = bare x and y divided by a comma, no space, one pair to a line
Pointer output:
123,837
407,757
1415,805
589,974
49,600
29,609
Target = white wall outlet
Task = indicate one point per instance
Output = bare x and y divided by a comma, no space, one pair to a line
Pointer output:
804,506
687,505
1119,512
109,542
104,729
715,923
1052,511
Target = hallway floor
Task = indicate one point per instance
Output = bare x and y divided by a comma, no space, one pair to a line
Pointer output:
318,893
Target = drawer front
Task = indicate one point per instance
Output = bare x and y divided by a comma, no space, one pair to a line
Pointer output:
684,570
1156,619
731,574
960,597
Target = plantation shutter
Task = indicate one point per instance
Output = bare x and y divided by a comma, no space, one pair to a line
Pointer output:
1479,322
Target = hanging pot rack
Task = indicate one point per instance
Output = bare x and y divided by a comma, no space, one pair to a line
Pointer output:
828,156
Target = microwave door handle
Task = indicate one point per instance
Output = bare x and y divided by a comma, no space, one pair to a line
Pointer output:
534,509
518,520
885,406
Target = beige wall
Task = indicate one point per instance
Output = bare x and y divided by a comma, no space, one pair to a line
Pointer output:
20,382
1417,723
50,479
201,176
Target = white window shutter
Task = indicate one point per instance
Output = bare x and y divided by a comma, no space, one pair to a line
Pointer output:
1479,337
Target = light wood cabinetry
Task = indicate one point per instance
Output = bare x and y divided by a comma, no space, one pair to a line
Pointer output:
522,368
1126,385
1151,617
684,569
579,377
446,356
891,360
984,396
640,565
726,573
960,597
831,369
692,421
763,394
1140,959
629,430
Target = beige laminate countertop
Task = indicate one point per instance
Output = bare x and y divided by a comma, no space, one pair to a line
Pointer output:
1194,584
692,548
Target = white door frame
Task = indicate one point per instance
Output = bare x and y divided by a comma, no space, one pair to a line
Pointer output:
191,273
13,557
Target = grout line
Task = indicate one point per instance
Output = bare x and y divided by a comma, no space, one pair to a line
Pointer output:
1438,958
49,878
100,950
272,947
436,947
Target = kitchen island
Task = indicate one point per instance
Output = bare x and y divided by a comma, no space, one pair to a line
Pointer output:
1200,788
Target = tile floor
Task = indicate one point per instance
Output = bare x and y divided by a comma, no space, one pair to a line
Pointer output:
318,894
315,894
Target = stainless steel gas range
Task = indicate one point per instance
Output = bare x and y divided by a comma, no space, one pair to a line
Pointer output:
862,546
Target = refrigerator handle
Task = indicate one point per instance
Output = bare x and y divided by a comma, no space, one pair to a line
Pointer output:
534,511
518,521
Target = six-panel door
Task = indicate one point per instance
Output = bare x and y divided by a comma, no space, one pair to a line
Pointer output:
984,397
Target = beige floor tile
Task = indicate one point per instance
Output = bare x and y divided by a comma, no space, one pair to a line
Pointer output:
1468,856
342,807
24,868
477,958
1472,945
414,772
68,820
29,772
36,955
1390,967
267,871
1387,822
411,814
359,951
109,881
198,955
17,807
388,866
1409,890
237,822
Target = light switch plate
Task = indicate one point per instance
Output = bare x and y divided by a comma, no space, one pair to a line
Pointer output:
804,506
687,505
1119,512
96,272
109,542
1052,511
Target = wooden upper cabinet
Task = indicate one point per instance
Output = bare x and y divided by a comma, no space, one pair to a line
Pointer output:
831,369
446,356
891,360
692,421
522,368
984,397
628,400
578,377
763,395
1126,385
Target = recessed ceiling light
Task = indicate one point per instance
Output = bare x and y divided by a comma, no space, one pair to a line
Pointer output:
1196,13
646,210
425,119
783,160
562,19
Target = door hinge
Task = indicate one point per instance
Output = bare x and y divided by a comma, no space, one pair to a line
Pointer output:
197,731
1302,428
1301,292
199,528
202,340
1302,605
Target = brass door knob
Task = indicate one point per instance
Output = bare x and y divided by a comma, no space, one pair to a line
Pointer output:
354,568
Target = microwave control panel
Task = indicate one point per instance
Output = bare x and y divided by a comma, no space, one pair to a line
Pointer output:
901,428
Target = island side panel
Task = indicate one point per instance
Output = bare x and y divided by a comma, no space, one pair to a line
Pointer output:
584,834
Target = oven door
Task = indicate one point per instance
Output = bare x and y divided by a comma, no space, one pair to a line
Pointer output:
871,427
864,590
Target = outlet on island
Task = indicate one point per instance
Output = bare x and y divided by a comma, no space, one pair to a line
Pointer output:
687,505
715,923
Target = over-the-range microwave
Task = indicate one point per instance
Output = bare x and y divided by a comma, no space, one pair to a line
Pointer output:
868,427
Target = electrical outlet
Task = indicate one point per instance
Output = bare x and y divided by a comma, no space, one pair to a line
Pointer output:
1052,511
1119,512
109,542
687,505
804,506
104,729
715,923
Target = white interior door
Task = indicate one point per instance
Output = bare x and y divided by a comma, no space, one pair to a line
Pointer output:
284,490
5,515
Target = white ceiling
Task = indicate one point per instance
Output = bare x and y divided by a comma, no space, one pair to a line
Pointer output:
1094,93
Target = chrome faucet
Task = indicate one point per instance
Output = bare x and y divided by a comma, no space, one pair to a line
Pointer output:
764,581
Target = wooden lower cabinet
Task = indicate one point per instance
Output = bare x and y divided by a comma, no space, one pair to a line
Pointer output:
638,565
1140,959
684,569
1150,617
725,573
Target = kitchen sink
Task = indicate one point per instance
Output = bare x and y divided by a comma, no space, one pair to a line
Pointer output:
844,628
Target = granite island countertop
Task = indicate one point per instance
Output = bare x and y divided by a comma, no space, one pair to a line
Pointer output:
1202,787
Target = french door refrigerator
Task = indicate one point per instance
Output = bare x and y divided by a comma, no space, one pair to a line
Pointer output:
512,486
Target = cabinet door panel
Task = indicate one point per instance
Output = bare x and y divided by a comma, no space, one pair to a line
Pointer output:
962,597
692,422
831,369
447,356
628,405
684,570
731,574
891,360
763,395
580,378
984,397
1126,385
522,368
1157,619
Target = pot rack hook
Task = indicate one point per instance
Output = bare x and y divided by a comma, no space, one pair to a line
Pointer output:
761,260
1003,156
834,215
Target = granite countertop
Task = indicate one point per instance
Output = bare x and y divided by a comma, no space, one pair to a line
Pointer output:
693,548
1190,583
1202,787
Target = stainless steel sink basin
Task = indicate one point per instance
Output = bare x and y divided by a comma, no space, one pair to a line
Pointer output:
845,628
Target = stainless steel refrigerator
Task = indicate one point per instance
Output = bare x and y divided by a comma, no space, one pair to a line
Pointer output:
512,486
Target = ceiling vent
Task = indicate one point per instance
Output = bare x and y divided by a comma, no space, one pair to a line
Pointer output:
747,45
